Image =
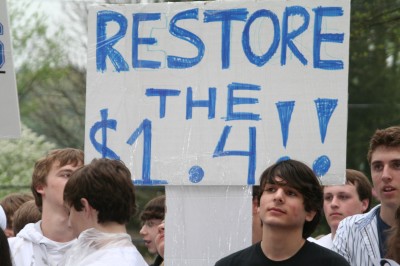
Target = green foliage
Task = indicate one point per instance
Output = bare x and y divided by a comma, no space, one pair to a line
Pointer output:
374,80
17,158
56,106
51,89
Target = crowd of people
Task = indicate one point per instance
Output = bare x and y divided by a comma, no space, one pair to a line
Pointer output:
77,214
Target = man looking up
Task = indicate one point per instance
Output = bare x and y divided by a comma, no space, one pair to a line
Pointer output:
45,242
361,239
290,209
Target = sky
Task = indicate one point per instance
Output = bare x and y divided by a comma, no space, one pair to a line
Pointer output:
55,11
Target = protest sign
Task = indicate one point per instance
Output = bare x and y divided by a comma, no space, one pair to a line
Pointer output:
10,126
211,93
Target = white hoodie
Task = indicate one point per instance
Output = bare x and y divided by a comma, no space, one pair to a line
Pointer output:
31,248
103,249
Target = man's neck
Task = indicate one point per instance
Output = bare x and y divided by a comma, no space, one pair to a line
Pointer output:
387,215
278,244
333,231
111,227
55,226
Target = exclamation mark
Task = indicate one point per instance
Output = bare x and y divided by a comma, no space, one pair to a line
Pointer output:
325,108
285,110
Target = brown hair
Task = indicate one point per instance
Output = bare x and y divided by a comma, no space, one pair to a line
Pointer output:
299,176
27,213
393,241
362,184
388,137
154,209
11,203
43,166
107,186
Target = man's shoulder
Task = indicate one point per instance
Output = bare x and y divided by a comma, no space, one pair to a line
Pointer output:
360,220
322,254
115,256
21,251
240,257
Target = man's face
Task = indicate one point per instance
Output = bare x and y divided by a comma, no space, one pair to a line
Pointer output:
385,173
76,221
148,232
159,239
340,202
282,207
52,191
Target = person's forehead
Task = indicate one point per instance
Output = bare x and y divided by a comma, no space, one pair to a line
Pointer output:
346,188
57,166
383,153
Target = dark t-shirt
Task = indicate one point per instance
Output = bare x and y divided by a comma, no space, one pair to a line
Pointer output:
310,254
157,261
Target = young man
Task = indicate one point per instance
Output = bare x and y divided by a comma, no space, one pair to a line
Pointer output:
151,217
361,238
354,197
45,242
100,199
27,213
290,209
11,203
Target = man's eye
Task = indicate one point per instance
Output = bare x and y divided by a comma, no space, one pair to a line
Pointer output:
270,189
377,167
396,165
343,197
149,223
328,198
66,175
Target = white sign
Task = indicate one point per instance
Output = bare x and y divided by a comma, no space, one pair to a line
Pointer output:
10,126
212,93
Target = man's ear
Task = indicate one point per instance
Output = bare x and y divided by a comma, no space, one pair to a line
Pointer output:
40,189
364,205
89,212
86,206
255,206
310,215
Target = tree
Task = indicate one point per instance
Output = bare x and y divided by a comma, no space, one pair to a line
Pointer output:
17,158
51,88
374,80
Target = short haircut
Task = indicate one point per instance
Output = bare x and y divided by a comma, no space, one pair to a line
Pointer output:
11,203
27,213
299,176
43,166
388,137
107,185
362,184
154,209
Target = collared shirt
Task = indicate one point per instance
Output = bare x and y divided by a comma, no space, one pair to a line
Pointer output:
357,238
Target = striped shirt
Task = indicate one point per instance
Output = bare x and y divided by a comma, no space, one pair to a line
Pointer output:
357,238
